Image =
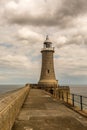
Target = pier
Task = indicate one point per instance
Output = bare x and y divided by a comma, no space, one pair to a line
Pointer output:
36,109
41,111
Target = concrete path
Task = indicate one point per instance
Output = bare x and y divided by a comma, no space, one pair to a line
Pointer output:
41,112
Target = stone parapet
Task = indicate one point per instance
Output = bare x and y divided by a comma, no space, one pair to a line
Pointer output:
10,107
62,92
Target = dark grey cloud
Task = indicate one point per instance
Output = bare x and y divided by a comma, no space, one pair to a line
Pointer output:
45,1
35,21
70,10
73,7
62,17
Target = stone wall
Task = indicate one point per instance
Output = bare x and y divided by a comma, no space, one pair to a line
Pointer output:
62,93
47,72
10,107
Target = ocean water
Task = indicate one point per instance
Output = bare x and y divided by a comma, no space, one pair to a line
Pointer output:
79,89
7,88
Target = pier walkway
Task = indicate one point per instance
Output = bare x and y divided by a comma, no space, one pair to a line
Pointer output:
41,112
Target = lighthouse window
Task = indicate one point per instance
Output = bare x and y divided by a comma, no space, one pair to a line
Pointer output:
48,45
48,71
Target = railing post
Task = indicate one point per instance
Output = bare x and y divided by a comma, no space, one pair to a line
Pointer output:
81,103
59,95
67,96
73,100
62,96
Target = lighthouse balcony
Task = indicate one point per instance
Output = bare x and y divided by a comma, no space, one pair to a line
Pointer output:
48,49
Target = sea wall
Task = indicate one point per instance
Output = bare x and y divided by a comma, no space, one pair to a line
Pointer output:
10,107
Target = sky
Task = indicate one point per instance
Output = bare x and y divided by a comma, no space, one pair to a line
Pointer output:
24,25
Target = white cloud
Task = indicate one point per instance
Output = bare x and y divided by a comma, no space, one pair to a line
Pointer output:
72,61
26,34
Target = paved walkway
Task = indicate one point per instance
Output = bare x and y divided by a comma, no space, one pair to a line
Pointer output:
41,112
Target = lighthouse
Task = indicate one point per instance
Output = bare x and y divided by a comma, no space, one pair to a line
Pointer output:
47,77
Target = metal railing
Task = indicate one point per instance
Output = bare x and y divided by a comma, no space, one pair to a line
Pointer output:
74,99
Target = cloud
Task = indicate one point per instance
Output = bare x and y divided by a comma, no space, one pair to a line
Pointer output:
71,61
14,61
74,8
43,13
72,36
77,40
27,12
18,64
29,36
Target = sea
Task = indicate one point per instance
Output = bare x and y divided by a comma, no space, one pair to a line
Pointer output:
78,89
9,87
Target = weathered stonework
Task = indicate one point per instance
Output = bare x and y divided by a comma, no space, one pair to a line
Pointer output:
10,107
47,78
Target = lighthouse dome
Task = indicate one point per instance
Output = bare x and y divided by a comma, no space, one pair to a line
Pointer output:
47,43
